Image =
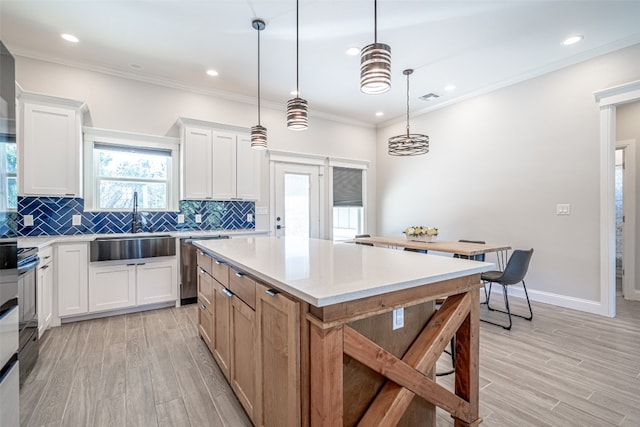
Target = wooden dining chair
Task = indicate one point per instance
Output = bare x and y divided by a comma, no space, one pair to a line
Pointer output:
514,273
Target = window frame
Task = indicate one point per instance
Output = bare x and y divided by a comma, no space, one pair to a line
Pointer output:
349,164
5,176
101,137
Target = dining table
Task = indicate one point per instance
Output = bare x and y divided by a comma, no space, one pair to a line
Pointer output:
464,249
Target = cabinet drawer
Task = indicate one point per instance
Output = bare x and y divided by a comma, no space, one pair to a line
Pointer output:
205,287
204,261
243,286
220,272
46,255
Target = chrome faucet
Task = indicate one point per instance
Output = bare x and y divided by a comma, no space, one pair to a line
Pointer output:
134,217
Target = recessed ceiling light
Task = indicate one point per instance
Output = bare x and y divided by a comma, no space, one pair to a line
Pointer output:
212,73
353,51
135,66
572,40
449,88
379,114
70,38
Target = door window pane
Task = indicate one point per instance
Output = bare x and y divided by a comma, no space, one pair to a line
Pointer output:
297,204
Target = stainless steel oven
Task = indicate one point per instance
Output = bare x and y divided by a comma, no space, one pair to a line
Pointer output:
28,310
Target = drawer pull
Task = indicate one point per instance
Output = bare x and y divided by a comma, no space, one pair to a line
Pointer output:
202,271
200,253
47,257
202,306
44,267
218,262
239,275
272,292
227,292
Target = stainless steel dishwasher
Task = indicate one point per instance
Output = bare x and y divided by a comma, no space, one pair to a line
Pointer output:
189,268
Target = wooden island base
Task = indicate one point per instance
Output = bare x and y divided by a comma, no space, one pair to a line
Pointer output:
364,374
292,363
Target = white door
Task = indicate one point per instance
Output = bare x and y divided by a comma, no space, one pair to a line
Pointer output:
297,200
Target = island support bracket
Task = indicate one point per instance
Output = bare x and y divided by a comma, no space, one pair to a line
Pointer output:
407,377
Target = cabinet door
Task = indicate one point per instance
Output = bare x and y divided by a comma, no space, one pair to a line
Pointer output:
157,281
71,262
196,163
243,363
111,287
50,150
222,327
248,181
205,323
278,359
45,297
205,287
224,165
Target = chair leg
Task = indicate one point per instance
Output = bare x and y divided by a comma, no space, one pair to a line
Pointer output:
488,296
453,359
506,303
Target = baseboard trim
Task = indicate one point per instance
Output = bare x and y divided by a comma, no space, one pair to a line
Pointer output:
635,295
589,306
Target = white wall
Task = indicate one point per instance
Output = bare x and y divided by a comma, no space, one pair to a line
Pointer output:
133,106
499,164
628,127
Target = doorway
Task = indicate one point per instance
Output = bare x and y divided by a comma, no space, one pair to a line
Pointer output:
297,200
625,218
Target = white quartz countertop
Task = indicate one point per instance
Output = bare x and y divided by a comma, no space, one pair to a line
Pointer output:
44,241
321,272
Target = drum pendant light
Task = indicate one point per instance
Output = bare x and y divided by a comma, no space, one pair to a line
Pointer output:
375,63
258,132
297,107
409,144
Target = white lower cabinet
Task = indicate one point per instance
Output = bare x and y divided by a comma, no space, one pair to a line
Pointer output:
111,286
71,261
157,281
114,285
45,290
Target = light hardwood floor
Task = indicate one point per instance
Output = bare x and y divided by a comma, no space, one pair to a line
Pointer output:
565,368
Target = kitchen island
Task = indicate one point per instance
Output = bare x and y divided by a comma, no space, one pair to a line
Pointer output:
315,333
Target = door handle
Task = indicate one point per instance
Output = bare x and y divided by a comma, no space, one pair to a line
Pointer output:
279,227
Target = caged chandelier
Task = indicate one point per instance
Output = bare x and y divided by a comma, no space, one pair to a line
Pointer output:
297,107
409,144
258,132
375,63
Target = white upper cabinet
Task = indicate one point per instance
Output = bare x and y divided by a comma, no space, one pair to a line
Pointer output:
224,165
50,146
218,162
197,167
248,164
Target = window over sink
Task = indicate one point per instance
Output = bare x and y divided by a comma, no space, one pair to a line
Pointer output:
8,180
120,165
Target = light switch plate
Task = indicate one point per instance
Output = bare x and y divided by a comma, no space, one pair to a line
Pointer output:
76,220
28,220
398,318
180,218
198,218
249,217
262,210
563,209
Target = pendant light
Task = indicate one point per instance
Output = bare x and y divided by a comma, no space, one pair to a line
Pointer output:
297,107
409,144
258,132
375,63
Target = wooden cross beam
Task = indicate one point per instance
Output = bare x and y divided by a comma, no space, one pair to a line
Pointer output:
408,375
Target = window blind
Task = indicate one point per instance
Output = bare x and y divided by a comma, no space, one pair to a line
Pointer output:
347,187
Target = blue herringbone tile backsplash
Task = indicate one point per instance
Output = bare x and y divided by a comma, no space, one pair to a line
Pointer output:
53,216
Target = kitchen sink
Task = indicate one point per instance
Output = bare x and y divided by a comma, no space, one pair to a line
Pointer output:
131,247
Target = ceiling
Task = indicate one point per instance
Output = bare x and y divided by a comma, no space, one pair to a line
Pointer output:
475,45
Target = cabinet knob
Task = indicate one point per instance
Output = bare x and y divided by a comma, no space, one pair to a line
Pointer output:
227,292
272,292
